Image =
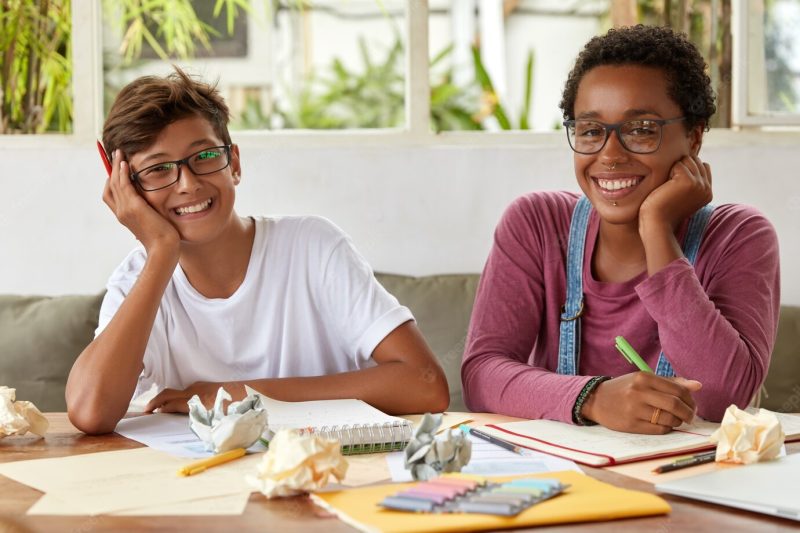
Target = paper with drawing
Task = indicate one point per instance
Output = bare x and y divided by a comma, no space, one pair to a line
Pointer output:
169,433
490,460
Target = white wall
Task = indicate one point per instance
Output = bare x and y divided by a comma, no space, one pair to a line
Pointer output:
411,208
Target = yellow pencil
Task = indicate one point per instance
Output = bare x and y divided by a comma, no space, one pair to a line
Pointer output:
199,466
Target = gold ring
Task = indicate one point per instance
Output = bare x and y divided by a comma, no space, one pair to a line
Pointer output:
656,414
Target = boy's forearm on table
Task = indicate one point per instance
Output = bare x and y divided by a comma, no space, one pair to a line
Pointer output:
102,381
395,388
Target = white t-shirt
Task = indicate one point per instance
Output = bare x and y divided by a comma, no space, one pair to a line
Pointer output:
309,305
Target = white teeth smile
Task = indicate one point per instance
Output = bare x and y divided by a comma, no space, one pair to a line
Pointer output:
202,206
616,185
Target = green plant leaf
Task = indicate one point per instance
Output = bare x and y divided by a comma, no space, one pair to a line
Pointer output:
480,71
443,93
528,91
446,51
485,81
35,67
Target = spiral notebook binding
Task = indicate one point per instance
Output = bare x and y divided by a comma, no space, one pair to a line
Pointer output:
367,438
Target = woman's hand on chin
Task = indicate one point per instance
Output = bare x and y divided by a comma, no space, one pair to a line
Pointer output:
687,189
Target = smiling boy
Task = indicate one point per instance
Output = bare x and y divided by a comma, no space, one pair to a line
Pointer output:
285,305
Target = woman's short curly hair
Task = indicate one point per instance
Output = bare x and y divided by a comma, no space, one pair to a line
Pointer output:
649,46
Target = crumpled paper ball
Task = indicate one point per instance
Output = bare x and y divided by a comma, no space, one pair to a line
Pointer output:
241,427
748,438
296,463
17,418
427,457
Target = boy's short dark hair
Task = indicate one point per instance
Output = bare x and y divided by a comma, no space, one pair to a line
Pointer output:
649,46
147,105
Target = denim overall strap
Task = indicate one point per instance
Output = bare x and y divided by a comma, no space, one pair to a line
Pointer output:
569,333
691,245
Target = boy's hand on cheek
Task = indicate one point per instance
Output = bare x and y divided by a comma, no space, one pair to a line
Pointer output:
133,212
687,189
176,401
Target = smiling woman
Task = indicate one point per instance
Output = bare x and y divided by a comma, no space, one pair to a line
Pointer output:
641,254
637,155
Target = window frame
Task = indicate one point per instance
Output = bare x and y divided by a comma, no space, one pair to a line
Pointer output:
743,17
87,69
88,109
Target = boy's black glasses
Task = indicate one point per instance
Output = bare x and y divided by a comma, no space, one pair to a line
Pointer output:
167,173
640,136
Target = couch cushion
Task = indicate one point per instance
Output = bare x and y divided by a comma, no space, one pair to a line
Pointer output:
783,379
40,337
442,306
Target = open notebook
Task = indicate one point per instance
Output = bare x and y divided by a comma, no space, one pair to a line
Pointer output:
360,427
599,446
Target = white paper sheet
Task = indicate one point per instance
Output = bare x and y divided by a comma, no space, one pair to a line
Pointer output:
491,460
168,433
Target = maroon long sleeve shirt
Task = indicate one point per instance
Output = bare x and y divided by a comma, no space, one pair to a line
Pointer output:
716,322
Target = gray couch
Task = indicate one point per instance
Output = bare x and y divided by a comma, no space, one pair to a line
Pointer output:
41,336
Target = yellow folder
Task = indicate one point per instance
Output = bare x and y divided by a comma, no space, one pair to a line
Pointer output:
586,500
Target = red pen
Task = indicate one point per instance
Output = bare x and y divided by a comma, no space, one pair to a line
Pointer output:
104,157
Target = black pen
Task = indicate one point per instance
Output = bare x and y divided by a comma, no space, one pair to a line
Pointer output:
494,440
699,459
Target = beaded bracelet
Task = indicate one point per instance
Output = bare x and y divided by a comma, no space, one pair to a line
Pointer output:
584,394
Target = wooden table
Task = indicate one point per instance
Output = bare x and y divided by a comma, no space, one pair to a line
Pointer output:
299,514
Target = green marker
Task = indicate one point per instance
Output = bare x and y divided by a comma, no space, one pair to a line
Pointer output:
630,354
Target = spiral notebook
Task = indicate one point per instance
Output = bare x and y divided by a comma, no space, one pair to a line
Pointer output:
360,427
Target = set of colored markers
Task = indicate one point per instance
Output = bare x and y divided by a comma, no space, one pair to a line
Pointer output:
460,495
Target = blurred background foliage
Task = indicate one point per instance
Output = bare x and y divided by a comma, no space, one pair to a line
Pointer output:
36,65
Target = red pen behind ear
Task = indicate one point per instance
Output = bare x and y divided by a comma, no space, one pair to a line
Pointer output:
104,157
